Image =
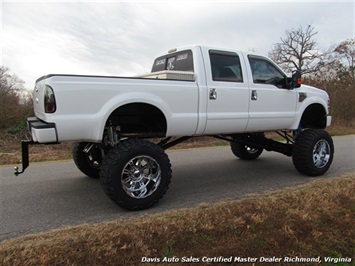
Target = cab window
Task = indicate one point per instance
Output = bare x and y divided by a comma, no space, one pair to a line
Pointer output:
264,72
180,61
225,66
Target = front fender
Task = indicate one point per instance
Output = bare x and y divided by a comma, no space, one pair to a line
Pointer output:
302,106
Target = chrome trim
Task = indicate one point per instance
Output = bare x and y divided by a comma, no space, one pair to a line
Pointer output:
254,95
213,94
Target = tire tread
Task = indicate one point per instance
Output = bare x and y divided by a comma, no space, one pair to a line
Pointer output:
81,162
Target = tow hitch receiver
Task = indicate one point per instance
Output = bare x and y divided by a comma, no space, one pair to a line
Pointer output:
25,160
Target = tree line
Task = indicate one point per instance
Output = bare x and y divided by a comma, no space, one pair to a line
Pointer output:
332,70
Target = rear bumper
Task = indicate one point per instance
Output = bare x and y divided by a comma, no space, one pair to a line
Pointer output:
42,132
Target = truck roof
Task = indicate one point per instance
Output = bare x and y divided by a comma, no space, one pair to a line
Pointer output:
205,47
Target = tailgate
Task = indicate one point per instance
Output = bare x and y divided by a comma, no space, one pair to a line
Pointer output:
38,98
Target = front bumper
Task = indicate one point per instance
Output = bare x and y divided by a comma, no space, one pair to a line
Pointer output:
41,133
329,120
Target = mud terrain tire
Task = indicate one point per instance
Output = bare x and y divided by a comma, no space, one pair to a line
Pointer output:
313,152
135,174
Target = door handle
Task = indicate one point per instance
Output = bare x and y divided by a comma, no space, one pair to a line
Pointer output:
213,94
254,95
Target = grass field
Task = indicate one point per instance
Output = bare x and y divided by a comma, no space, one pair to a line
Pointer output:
313,221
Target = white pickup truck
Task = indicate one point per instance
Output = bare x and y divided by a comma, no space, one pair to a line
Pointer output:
192,91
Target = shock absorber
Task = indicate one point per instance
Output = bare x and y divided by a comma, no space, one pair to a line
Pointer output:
112,136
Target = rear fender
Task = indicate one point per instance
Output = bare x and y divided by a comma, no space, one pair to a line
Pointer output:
124,99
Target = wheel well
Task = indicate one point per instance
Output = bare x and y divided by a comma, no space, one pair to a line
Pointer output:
138,119
314,117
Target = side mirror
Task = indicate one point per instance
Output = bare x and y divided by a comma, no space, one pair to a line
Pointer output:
296,79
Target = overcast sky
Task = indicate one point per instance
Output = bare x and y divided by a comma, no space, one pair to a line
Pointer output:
122,38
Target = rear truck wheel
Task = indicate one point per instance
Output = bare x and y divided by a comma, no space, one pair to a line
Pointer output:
135,174
88,158
313,152
245,152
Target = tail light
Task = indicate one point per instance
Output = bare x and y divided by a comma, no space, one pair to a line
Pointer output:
49,100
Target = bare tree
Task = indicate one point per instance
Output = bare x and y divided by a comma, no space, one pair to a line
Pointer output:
11,108
9,83
298,50
345,53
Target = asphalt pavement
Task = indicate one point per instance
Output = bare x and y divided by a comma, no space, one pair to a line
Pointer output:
56,194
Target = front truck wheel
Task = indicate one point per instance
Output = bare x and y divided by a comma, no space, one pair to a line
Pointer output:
313,152
135,174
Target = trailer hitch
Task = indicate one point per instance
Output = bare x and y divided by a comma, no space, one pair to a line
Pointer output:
25,160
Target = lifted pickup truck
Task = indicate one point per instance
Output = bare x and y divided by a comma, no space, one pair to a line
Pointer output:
192,91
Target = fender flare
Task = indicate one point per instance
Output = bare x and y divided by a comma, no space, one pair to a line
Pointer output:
124,99
306,104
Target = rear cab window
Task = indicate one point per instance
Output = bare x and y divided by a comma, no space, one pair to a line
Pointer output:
179,61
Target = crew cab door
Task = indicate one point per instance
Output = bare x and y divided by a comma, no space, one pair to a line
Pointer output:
227,92
272,105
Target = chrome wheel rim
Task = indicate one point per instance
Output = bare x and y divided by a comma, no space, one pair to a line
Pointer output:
321,153
251,150
93,161
141,177
93,155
